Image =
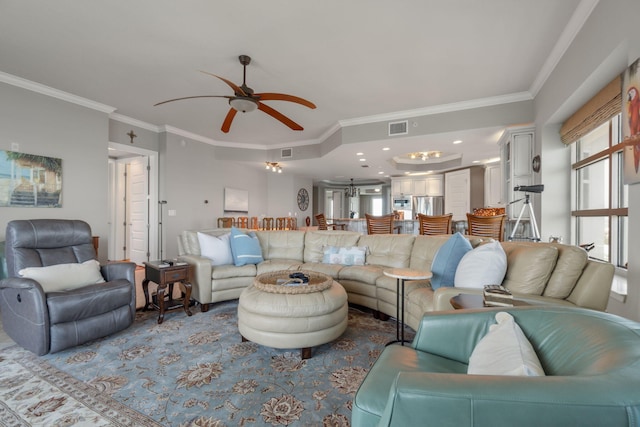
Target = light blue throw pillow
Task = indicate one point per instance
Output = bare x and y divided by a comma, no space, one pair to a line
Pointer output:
445,263
245,248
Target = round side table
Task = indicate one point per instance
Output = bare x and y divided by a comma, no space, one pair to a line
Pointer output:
402,275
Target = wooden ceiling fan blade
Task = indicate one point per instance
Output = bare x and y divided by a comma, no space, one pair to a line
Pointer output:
226,125
192,97
285,97
232,85
279,116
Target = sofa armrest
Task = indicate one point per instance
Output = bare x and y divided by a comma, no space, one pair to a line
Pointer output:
453,334
201,278
594,285
468,400
25,315
119,270
441,296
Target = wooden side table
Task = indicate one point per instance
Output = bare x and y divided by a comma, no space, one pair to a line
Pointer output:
401,275
163,276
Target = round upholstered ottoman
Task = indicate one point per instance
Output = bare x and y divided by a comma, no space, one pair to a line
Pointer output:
302,317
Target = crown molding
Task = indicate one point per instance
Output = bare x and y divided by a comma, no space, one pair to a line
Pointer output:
194,136
439,109
54,93
134,122
575,24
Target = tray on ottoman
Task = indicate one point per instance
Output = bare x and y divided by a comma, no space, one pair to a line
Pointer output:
272,282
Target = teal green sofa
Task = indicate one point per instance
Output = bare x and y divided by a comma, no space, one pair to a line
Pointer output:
591,359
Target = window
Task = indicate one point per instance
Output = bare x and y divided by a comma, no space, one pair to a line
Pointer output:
600,199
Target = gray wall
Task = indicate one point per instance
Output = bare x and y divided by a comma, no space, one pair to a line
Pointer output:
50,127
606,45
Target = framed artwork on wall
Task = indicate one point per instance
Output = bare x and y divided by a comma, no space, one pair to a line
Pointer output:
631,123
30,180
236,200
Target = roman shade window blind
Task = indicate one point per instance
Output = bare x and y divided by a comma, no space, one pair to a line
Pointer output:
603,106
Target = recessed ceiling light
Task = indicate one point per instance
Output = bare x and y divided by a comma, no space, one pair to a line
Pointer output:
380,173
476,161
359,154
457,141
363,159
386,149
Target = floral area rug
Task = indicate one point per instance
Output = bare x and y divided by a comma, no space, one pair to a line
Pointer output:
34,393
195,371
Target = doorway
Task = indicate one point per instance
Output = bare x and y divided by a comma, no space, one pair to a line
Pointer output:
133,203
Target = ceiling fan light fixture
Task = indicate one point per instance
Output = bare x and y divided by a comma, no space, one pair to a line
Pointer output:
243,104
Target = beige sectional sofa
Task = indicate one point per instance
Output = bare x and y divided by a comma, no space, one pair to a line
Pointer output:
541,273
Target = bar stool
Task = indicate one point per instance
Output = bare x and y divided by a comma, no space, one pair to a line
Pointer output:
379,224
431,225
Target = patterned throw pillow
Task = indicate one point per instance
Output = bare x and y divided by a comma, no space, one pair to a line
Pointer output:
245,248
348,255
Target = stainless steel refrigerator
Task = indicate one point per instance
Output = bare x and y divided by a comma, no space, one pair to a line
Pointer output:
428,205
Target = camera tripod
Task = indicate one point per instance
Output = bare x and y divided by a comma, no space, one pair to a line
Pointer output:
534,226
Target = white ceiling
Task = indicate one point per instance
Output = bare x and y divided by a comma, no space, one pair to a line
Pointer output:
354,59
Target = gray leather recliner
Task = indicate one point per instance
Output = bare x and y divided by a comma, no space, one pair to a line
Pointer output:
49,322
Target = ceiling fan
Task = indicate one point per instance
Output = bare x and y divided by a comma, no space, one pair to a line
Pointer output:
245,100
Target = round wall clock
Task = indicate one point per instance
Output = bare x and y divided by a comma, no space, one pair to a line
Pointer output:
303,199
535,164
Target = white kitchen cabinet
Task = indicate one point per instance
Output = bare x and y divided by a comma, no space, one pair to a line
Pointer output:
402,186
493,197
435,185
420,187
432,185
516,148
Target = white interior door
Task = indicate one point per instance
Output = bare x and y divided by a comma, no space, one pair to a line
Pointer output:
138,179
337,205
457,194
133,198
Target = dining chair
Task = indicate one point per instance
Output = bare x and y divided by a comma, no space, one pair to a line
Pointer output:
254,223
379,224
486,226
292,223
267,223
225,222
281,223
431,225
324,225
242,222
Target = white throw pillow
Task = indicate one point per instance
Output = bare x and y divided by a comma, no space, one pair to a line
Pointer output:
484,265
504,351
216,248
61,277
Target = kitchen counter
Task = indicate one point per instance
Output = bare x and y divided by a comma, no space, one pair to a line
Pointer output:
359,225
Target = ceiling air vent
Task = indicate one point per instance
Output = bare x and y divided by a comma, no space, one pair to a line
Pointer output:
286,153
399,128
